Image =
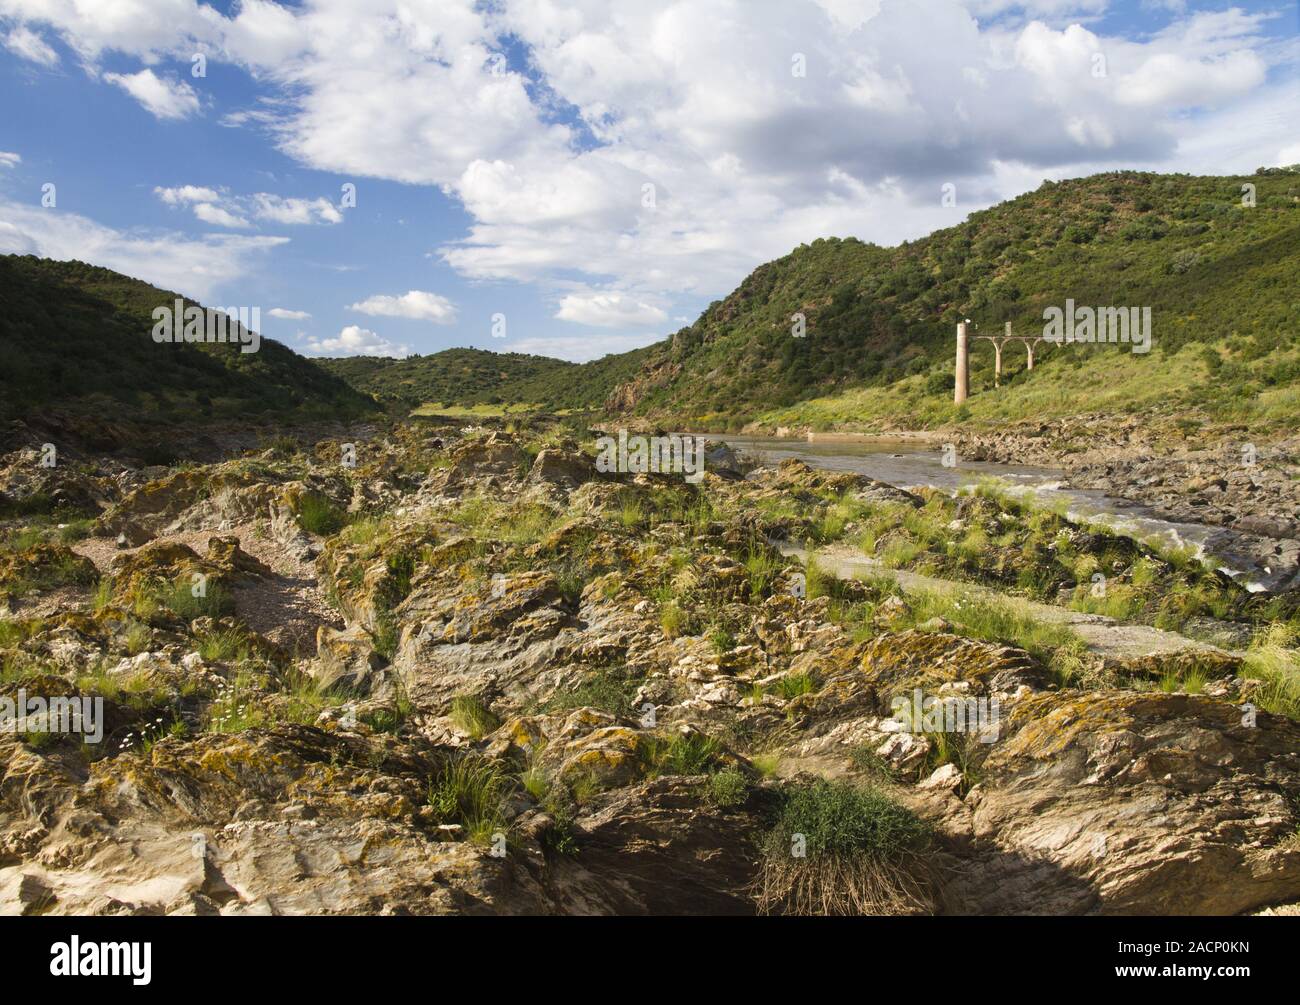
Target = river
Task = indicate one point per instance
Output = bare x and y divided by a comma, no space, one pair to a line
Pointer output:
907,465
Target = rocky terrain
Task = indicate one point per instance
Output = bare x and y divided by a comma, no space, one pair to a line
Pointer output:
469,674
1249,489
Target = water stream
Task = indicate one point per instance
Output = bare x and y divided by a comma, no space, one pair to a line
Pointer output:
908,465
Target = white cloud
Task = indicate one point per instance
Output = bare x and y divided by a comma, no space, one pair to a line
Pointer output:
183,194
196,267
698,101
578,348
9,160
288,315
217,216
609,310
356,341
416,304
227,210
24,42
294,211
160,97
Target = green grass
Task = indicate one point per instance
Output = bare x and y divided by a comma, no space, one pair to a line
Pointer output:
607,689
317,515
993,619
793,685
471,792
179,598
682,755
842,848
728,787
471,715
762,564
1275,661
223,645
239,706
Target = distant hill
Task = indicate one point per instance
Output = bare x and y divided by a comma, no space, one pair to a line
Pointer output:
1214,271
480,377
878,345
75,340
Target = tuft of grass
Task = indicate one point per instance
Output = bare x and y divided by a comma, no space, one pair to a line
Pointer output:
238,707
182,599
631,513
317,515
692,754
1274,661
766,764
608,689
721,639
762,564
471,792
223,645
470,714
138,637
793,685
994,619
841,848
673,620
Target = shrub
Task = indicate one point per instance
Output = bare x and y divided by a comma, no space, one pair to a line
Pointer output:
843,848
728,787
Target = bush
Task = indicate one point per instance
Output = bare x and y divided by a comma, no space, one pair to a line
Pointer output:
728,788
843,848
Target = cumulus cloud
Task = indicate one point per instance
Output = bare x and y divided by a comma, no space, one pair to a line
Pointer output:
161,97
579,348
609,310
24,42
278,209
664,149
356,341
218,217
184,194
287,315
171,261
416,304
225,210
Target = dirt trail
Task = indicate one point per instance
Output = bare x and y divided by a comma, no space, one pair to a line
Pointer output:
1102,635
286,607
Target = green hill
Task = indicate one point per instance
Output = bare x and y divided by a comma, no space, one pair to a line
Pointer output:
76,344
1219,277
478,377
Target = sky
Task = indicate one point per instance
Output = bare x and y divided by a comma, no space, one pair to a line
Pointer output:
578,177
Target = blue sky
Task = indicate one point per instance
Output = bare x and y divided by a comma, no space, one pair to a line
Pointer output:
595,172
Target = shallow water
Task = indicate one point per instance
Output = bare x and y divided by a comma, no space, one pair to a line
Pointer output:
907,465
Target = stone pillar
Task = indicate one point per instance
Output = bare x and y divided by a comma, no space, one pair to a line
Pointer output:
1030,347
997,362
961,382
